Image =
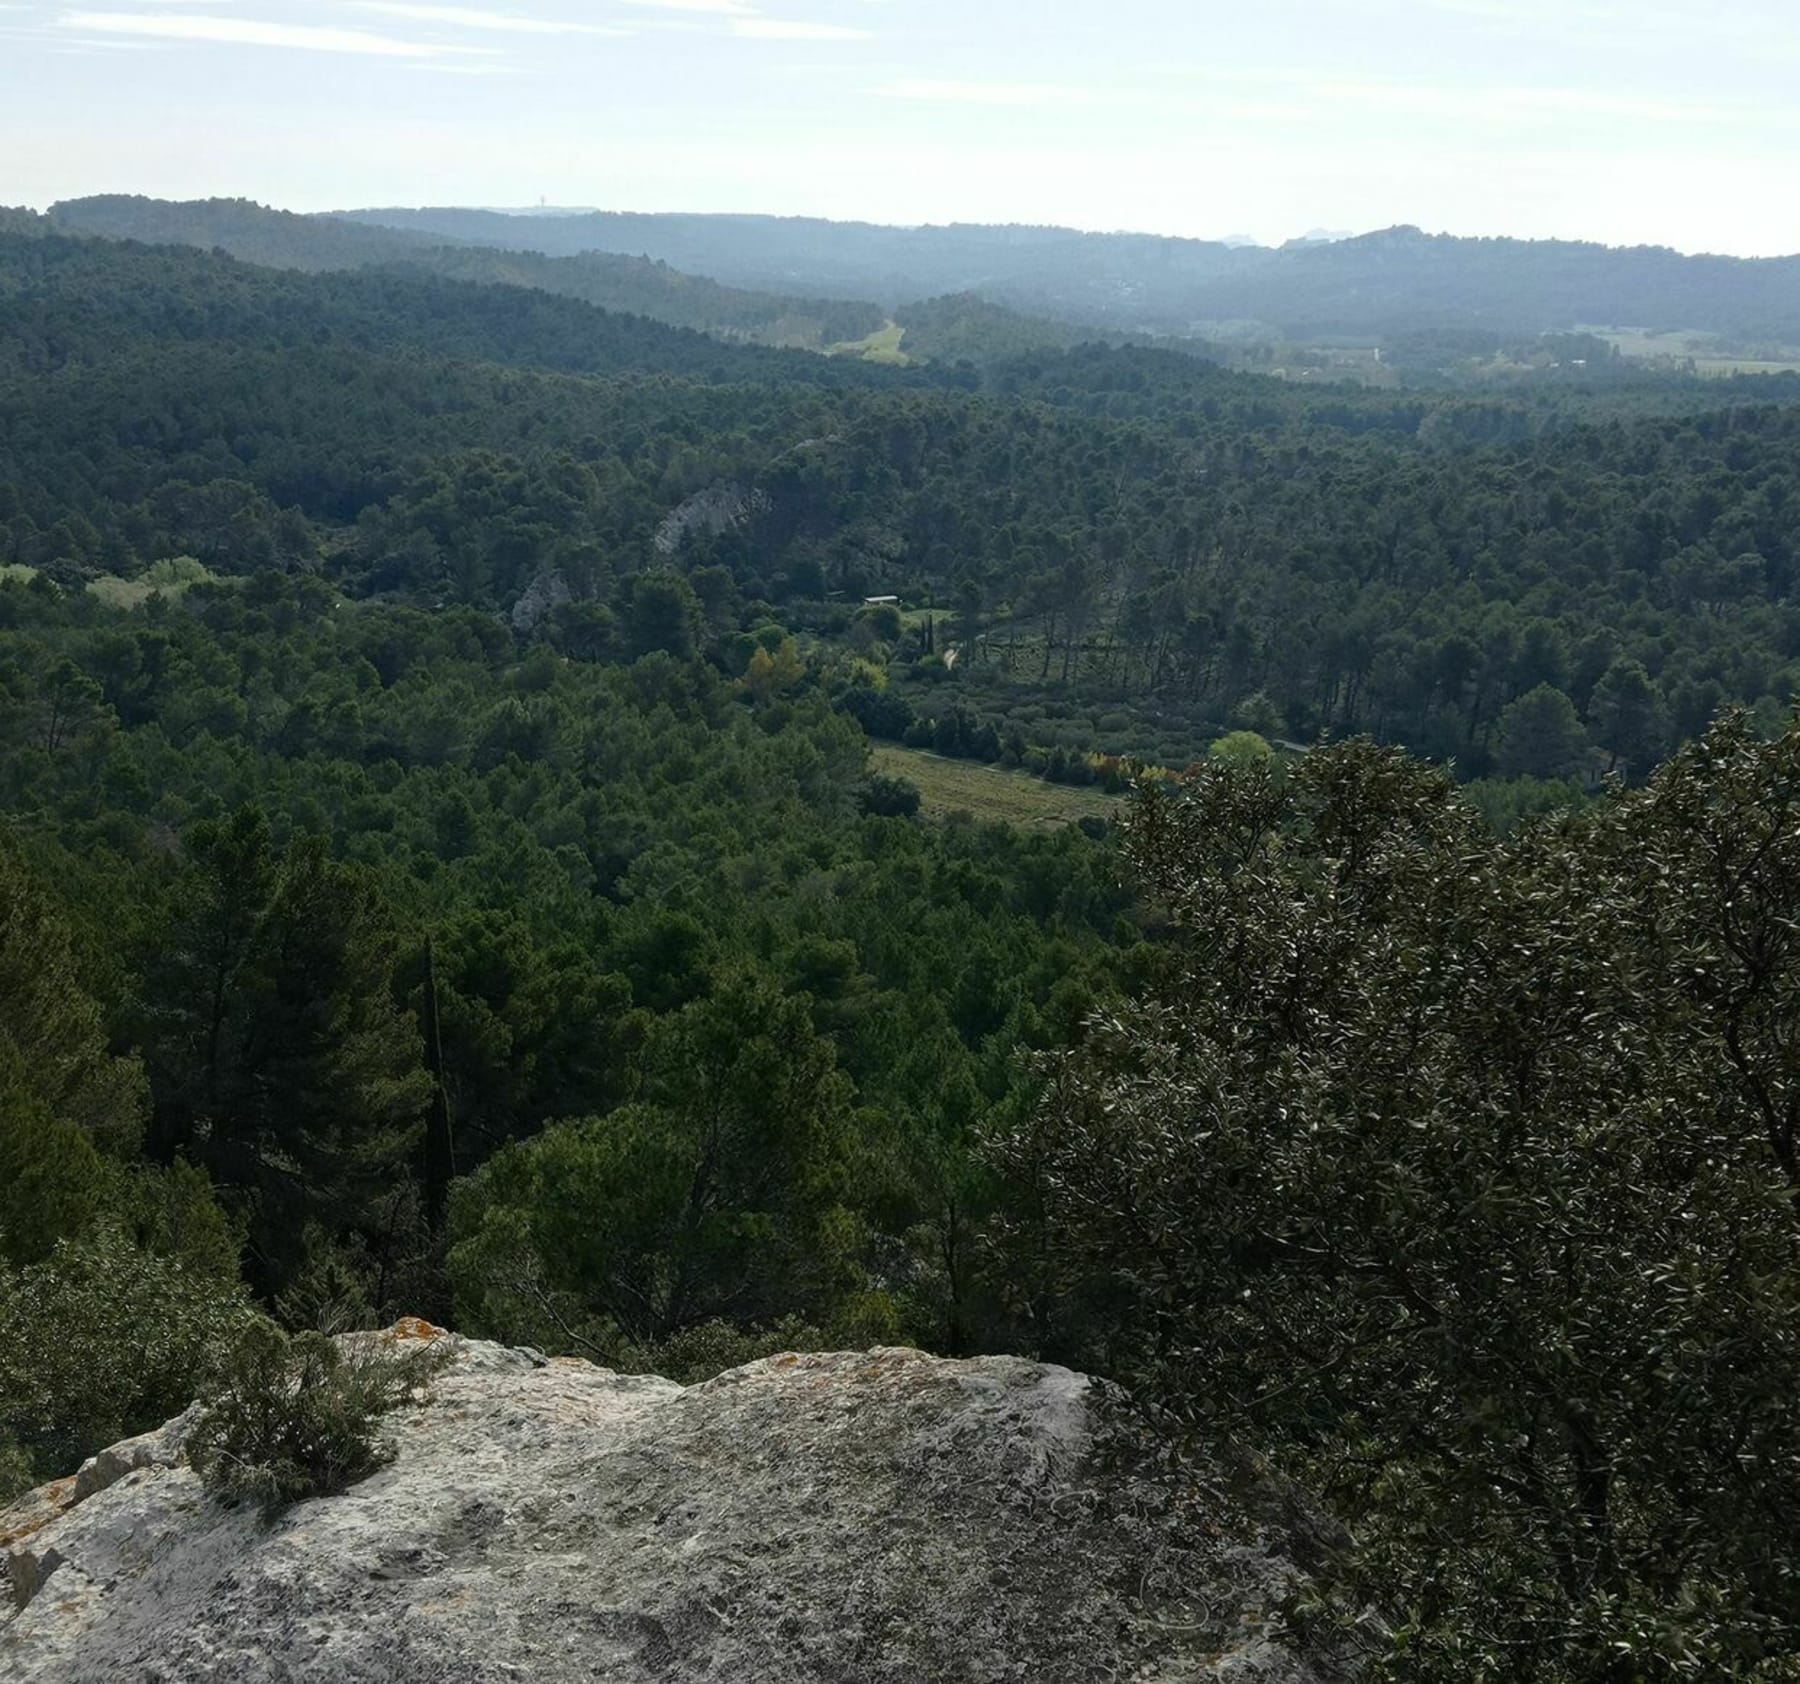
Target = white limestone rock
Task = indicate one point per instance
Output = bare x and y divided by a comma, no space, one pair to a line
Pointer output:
881,1518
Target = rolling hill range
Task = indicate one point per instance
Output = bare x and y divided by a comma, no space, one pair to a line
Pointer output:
1398,280
964,326
637,285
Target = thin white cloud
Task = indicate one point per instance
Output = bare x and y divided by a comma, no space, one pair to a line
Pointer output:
1526,11
1514,104
983,93
716,8
250,32
782,29
468,17
445,67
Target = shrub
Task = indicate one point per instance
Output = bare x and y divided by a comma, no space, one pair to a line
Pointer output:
294,1417
16,1473
713,1348
103,1339
889,798
1243,748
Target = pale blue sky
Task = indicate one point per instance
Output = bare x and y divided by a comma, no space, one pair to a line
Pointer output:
1665,121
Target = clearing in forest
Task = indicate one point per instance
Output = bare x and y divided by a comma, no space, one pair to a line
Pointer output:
991,792
882,346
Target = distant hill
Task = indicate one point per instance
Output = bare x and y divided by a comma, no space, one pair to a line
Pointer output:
850,259
965,326
64,297
256,234
950,328
1399,280
316,244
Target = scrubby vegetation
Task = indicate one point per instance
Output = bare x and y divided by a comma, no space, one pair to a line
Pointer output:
290,1418
1463,1173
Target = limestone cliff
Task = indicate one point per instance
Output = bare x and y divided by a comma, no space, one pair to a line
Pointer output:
849,1519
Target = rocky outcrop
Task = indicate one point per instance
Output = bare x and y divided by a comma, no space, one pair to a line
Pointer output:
545,594
850,1519
706,514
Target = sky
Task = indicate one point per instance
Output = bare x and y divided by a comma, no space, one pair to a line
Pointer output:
1667,122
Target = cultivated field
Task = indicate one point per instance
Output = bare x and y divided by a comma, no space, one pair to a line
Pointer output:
1708,353
992,792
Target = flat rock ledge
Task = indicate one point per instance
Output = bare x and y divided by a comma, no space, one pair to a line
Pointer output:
848,1519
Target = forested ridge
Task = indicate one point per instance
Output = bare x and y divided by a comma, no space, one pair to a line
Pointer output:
1149,533
614,281
1396,280
442,871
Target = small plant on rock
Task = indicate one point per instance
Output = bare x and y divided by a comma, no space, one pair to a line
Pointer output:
291,1417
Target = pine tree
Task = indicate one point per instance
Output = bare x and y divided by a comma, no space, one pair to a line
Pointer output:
279,1057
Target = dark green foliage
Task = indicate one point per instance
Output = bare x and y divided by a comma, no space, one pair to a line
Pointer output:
279,1060
1629,715
721,1193
1462,1173
106,1336
880,712
15,1469
115,1278
54,1060
1541,736
1138,532
663,617
287,1418
608,863
890,798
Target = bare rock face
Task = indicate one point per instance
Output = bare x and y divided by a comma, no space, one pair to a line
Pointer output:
545,594
707,514
849,1519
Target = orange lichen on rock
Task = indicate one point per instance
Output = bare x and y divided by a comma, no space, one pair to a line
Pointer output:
415,1327
35,1510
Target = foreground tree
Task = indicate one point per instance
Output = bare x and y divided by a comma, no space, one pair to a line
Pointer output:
1462,1174
278,1058
116,1279
720,1195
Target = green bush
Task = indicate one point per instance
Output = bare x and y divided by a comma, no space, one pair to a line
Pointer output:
102,1339
1459,1174
16,1474
1242,748
294,1417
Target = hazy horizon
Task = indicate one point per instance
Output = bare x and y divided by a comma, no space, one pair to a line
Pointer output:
1317,235
1649,125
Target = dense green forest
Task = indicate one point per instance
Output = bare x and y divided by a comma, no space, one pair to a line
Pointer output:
1545,586
442,871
